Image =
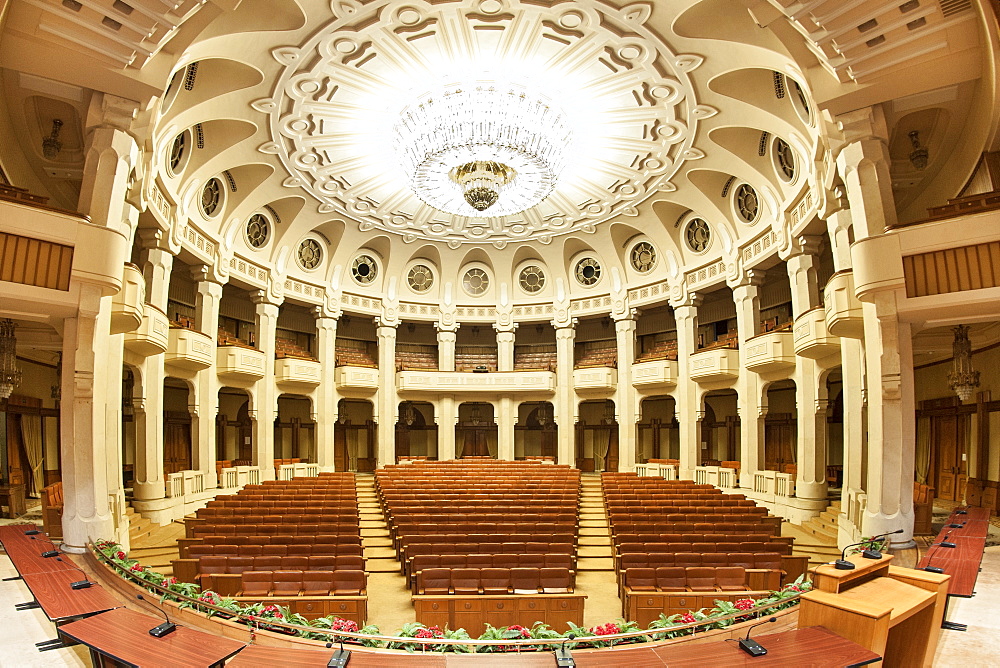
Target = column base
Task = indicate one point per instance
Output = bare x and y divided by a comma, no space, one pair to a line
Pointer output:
148,491
78,532
874,524
811,490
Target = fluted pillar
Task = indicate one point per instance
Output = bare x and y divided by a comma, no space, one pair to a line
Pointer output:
505,349
626,398
446,417
746,295
686,394
148,484
810,401
266,396
564,406
207,299
506,419
327,396
446,336
387,399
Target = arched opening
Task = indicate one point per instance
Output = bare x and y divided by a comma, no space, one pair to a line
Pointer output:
658,431
476,433
720,431
780,428
416,431
176,426
294,430
536,432
233,429
597,436
354,436
128,425
835,430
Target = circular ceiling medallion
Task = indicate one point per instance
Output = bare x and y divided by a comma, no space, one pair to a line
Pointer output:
627,96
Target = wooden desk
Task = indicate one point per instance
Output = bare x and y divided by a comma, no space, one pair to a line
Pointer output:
894,612
60,603
12,496
815,647
122,635
27,555
961,562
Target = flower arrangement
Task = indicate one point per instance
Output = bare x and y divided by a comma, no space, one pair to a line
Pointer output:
258,615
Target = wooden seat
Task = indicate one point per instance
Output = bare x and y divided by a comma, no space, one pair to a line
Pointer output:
256,583
495,580
671,578
524,580
700,579
641,579
731,578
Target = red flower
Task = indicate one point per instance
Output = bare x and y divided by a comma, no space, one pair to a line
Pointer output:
525,632
606,629
744,604
137,568
120,554
687,618
347,625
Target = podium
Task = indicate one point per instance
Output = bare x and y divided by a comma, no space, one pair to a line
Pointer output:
894,612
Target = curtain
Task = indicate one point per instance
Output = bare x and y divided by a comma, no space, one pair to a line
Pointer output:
602,443
923,449
31,434
491,445
353,437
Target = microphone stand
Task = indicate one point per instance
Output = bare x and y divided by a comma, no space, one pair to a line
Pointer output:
340,656
163,629
752,647
564,659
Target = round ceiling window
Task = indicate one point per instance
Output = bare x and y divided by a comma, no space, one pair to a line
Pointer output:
364,269
420,278
588,271
532,279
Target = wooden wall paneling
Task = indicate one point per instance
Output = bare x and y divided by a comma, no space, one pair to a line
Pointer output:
35,262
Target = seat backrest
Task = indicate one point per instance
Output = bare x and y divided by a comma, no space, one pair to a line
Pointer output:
454,561
287,583
555,580
465,580
524,580
641,579
531,560
267,563
495,580
275,550
741,559
317,583
295,563
701,579
251,550
767,560
212,565
257,583
434,581
687,559
730,578
479,561
671,578
714,559
559,561
348,583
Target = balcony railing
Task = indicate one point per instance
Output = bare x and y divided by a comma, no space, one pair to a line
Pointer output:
843,310
716,365
153,334
128,306
771,352
811,337
189,349
654,375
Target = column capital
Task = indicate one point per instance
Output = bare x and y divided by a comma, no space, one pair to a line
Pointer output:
385,330
567,325
324,312
508,327
687,300
628,315
264,298
449,326
114,112
153,238
207,279
447,335
750,278
625,325
804,244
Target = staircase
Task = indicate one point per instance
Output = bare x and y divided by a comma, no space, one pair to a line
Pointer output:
816,538
139,528
595,567
375,540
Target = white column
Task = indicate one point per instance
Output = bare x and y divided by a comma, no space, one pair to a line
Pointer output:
86,511
864,167
506,419
505,349
626,398
157,263
209,294
446,335
266,396
327,396
686,394
387,399
564,406
811,410
446,417
746,295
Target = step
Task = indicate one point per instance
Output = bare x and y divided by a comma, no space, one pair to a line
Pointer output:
595,564
374,532
594,531
375,541
830,517
604,540
819,530
594,551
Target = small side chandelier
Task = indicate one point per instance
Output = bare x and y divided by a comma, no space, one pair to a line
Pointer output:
918,156
963,379
51,144
407,415
10,375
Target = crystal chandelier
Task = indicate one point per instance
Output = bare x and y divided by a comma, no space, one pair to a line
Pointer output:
963,379
482,149
10,375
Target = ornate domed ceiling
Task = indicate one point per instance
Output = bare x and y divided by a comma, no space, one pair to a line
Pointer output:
629,99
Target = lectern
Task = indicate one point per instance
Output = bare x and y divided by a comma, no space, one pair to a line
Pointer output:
895,612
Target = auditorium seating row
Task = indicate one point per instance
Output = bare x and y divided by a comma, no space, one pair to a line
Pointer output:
417,358
355,357
702,501
654,527
683,513
403,518
424,561
226,547
493,581
535,360
196,530
497,550
779,546
289,348
694,579
302,583
728,340
339,513
763,571
407,533
191,570
653,541
663,349
596,354
349,503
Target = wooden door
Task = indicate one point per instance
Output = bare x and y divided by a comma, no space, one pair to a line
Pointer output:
946,451
611,461
176,443
549,440
340,446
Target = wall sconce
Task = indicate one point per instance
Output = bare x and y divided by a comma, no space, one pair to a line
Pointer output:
963,379
918,156
10,374
51,144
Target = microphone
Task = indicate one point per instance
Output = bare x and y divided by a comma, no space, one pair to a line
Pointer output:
961,512
340,657
32,532
564,659
928,567
164,628
85,583
872,553
956,526
49,553
843,564
752,647
945,542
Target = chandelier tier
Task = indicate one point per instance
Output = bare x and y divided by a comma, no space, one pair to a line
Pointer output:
10,374
482,149
963,379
